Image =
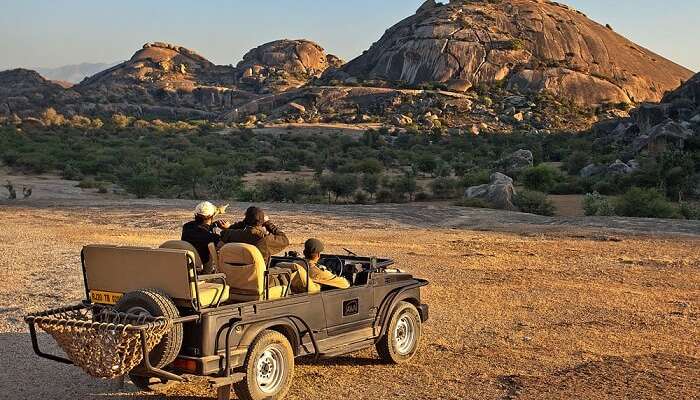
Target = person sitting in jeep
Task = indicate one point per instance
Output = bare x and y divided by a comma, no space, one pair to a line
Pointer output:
319,273
257,229
200,232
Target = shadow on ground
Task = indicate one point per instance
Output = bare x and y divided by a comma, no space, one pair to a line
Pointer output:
32,377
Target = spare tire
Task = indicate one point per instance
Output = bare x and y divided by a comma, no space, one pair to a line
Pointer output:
156,304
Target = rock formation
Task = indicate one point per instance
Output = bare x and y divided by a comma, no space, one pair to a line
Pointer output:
656,126
283,64
498,193
23,92
534,45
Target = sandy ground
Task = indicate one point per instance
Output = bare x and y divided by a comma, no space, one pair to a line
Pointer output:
522,307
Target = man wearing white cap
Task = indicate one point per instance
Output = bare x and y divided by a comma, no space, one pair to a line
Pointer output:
200,232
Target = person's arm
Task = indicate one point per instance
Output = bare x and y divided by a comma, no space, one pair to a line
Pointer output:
276,240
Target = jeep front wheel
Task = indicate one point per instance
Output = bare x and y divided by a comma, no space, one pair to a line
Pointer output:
400,343
269,368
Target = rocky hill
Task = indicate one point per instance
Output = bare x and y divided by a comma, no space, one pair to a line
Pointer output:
24,92
163,80
475,66
284,64
534,45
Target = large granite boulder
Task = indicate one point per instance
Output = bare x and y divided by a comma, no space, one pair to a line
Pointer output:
533,45
283,64
498,193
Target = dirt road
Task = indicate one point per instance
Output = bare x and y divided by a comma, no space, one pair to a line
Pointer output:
533,308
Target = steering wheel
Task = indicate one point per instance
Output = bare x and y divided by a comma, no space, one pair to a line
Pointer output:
337,268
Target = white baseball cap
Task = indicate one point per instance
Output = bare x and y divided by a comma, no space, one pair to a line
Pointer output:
206,209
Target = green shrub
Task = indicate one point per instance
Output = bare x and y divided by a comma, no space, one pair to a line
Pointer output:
571,185
142,185
594,204
533,202
444,188
576,162
361,197
541,178
689,211
476,178
644,203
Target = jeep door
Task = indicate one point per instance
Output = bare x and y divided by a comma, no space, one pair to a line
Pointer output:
349,309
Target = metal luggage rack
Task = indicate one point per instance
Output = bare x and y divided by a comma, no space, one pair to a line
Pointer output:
105,343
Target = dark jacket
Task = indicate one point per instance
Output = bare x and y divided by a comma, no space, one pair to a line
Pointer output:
200,235
269,243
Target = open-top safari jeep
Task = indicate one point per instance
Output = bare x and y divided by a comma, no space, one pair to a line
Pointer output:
149,313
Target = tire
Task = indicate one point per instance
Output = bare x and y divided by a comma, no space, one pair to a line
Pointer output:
156,304
402,338
272,351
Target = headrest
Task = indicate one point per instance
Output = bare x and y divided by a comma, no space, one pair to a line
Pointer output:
182,245
241,254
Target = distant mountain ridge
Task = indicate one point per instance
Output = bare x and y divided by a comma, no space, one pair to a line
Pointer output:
74,73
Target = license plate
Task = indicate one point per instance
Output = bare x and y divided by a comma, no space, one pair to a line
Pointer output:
101,297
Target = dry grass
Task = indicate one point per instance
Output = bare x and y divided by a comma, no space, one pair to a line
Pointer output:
513,315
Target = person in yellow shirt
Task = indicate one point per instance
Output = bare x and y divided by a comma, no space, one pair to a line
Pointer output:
318,272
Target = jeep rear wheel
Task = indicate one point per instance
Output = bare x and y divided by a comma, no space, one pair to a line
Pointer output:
155,304
400,343
269,368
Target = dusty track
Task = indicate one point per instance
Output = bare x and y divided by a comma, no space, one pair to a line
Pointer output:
538,308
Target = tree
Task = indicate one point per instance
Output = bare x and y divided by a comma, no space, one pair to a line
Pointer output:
142,185
120,120
444,188
370,184
426,163
406,184
52,118
341,185
192,171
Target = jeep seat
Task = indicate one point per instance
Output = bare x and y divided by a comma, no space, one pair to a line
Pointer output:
183,245
120,270
244,267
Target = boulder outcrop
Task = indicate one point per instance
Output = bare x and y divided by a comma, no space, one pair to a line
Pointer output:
283,64
498,193
534,45
656,126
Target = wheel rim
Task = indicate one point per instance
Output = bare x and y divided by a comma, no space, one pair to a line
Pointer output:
270,369
404,335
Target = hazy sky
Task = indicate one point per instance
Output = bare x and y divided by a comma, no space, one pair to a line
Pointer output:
50,33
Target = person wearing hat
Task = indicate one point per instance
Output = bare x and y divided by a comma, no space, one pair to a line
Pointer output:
318,272
200,232
257,229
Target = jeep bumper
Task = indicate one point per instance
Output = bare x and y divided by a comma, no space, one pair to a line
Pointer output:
423,311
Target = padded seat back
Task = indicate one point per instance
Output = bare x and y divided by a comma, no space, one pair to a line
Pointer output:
244,267
210,267
182,245
126,269
120,270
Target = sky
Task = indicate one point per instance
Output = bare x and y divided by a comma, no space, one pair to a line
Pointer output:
52,33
